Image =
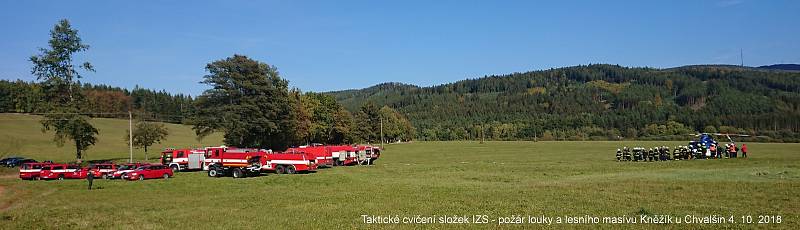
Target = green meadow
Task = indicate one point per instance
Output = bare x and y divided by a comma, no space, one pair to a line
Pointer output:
492,179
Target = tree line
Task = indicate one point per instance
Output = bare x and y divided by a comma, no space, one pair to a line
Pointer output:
599,102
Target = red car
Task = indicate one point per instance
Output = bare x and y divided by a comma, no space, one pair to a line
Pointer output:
123,170
31,171
104,170
57,171
150,172
77,172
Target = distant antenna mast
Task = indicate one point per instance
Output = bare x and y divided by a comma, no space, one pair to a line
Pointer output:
741,56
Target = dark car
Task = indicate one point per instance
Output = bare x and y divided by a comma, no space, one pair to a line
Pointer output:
4,161
17,162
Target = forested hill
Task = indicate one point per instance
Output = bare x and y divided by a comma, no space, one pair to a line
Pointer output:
599,102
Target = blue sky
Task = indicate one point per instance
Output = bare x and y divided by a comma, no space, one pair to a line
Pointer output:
334,45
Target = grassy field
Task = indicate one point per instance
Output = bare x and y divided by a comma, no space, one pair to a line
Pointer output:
22,135
496,179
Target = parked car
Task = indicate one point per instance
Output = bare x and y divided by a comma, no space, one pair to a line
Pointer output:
104,170
76,172
5,161
56,171
150,172
31,171
123,170
18,162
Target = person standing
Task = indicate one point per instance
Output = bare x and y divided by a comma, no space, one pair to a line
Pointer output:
744,150
90,178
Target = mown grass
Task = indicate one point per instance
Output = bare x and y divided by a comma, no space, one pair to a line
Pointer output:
429,178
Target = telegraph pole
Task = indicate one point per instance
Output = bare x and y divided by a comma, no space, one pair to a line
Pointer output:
130,135
381,132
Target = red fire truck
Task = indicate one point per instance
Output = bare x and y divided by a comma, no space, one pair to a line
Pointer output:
241,162
289,163
368,154
183,159
321,154
343,155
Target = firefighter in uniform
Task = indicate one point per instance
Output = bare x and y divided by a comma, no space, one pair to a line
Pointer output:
637,154
676,153
744,150
619,155
646,154
90,179
626,154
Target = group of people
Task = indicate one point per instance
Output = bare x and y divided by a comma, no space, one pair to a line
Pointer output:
695,150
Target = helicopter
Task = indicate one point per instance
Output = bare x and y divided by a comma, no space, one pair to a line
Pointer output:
707,139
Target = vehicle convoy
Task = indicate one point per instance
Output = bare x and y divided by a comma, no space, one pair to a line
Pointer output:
183,159
241,162
123,170
150,172
31,171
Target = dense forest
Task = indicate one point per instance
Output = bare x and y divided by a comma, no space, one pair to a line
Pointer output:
101,101
599,102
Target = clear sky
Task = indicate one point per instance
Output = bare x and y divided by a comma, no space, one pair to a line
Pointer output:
334,45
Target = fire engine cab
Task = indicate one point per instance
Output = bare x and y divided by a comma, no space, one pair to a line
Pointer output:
183,159
237,162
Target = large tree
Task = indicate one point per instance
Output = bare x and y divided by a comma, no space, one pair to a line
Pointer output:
54,67
145,134
367,122
248,101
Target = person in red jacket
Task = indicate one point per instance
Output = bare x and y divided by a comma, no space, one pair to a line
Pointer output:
744,150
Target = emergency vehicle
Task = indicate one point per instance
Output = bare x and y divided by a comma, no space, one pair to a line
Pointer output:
123,170
183,159
368,154
104,170
57,171
150,172
31,171
241,162
344,155
289,163
321,154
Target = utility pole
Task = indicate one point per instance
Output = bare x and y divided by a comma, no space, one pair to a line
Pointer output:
381,132
130,135
741,56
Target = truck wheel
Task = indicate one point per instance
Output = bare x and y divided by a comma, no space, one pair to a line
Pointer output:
212,172
237,173
105,176
166,176
141,177
280,169
61,177
174,168
291,169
